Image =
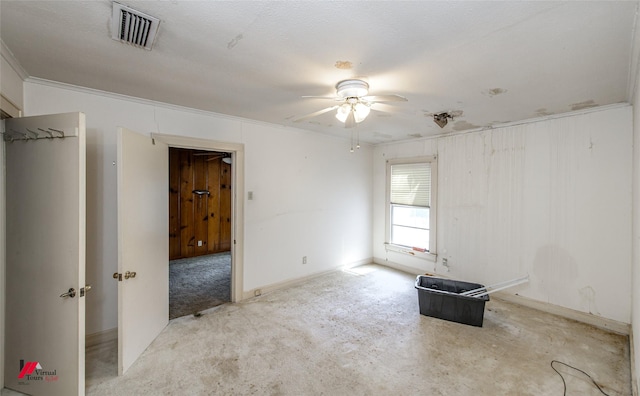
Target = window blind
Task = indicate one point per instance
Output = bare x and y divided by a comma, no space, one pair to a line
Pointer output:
411,184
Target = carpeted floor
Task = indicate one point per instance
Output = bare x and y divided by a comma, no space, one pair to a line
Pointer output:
360,332
198,283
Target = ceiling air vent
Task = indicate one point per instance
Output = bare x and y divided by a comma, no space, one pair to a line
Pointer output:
133,27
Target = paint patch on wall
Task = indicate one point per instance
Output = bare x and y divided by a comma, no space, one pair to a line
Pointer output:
318,123
382,135
588,300
583,105
543,112
343,65
235,41
463,125
493,92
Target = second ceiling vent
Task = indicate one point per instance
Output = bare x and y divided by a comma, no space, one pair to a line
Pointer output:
133,27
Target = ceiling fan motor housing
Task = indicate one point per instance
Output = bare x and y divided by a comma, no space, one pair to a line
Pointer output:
352,88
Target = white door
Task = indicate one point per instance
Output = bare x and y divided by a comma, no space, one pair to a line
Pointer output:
143,243
45,254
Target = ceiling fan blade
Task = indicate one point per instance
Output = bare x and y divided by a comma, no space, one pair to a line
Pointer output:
350,122
323,97
215,158
314,114
385,98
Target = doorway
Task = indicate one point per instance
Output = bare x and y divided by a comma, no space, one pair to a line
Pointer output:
200,228
237,199
159,199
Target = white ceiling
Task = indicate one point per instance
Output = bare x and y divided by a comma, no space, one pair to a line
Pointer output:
494,62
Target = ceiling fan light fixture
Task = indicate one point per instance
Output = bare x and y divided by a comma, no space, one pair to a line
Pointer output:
343,112
352,88
361,111
352,102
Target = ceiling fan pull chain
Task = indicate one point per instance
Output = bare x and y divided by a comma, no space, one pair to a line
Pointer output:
352,140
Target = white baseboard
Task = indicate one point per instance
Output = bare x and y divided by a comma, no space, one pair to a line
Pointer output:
593,320
290,282
100,337
583,317
412,270
401,267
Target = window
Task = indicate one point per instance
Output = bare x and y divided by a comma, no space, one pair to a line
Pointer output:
411,204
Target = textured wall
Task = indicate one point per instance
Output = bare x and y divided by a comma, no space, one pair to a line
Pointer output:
551,199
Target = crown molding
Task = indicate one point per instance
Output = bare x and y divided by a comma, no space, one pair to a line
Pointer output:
128,98
11,59
148,102
513,123
164,105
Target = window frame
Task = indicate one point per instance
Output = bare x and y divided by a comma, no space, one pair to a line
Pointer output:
431,254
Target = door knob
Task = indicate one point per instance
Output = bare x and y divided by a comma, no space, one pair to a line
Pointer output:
84,290
71,293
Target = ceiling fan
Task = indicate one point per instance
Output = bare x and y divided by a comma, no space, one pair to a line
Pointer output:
353,102
226,157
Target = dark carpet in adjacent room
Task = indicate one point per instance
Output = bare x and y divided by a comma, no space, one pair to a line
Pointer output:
199,283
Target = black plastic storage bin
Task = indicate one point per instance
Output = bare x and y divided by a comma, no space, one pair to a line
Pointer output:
440,298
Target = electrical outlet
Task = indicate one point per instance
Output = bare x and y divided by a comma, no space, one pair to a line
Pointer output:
304,259
199,243
445,262
257,292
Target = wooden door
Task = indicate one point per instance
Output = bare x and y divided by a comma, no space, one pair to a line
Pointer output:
45,254
200,203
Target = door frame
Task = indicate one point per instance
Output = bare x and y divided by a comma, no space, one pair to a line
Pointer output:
3,267
237,198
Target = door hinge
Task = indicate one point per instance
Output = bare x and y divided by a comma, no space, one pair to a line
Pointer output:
234,241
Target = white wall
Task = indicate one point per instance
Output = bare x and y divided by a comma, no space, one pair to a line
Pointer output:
10,79
312,197
551,199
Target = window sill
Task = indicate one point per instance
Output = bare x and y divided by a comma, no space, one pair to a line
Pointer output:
411,252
